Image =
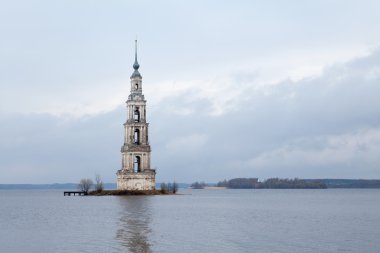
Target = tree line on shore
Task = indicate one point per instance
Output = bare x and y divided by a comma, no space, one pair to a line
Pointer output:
271,183
295,183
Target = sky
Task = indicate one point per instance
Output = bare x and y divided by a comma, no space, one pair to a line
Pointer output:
234,88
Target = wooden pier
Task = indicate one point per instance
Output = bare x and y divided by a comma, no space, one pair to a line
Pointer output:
69,193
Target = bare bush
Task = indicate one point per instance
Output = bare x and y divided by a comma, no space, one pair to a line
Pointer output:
175,187
98,183
85,184
167,188
164,188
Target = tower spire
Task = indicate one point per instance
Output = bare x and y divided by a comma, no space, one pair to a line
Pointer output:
136,65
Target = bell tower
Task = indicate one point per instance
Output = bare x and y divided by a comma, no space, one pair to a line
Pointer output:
136,173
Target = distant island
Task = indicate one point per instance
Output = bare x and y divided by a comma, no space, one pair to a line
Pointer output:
271,183
295,183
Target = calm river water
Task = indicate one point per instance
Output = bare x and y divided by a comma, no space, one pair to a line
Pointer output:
330,220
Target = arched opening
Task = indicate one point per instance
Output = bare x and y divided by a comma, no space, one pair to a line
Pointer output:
136,86
137,164
136,137
136,115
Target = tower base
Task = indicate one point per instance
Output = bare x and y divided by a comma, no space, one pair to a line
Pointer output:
136,181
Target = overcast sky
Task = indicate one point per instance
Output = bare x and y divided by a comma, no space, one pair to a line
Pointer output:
234,88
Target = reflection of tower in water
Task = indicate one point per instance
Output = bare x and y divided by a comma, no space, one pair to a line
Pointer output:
133,232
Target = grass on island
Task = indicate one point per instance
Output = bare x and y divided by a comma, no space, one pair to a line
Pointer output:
128,192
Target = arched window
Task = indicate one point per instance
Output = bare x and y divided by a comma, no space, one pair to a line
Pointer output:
137,164
136,136
136,86
136,115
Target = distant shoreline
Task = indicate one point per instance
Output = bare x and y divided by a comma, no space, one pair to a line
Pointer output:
330,183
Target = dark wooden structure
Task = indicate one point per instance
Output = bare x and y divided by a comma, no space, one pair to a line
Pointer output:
68,193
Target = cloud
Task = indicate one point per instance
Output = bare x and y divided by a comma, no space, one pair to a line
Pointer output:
186,144
239,83
83,91
359,147
320,126
64,102
44,148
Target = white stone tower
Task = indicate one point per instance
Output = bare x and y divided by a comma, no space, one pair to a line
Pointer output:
136,173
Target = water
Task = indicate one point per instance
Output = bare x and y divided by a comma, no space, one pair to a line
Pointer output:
333,220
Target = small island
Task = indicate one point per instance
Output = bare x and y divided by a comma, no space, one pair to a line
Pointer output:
271,183
129,192
86,184
289,183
